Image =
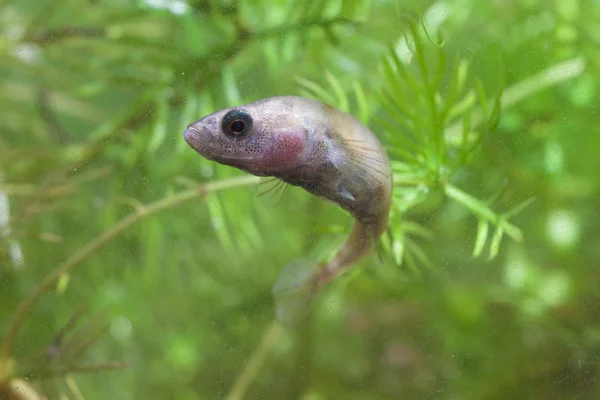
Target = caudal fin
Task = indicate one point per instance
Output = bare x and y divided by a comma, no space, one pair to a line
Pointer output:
294,291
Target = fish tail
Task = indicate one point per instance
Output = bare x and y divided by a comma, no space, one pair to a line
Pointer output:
356,247
301,280
295,290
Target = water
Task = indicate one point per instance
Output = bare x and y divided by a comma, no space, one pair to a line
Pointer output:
132,268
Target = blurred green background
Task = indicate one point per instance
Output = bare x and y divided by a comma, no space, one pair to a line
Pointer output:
122,278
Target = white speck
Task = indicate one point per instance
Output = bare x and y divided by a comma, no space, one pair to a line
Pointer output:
16,254
156,3
217,223
4,214
206,171
562,228
516,274
178,7
28,53
121,328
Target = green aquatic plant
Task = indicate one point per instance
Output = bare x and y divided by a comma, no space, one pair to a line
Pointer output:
176,256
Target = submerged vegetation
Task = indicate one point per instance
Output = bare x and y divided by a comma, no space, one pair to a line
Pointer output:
130,267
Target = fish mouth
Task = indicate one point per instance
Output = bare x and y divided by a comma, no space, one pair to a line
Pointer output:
196,139
191,134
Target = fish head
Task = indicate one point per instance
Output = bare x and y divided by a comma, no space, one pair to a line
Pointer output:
261,137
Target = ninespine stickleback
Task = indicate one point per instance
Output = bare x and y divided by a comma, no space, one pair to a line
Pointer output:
319,148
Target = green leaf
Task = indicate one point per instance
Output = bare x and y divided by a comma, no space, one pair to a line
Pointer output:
342,99
419,254
479,208
159,128
495,243
314,90
462,107
364,113
483,101
517,209
230,87
462,71
398,250
417,230
218,222
482,233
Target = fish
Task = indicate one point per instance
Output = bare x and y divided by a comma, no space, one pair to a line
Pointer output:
315,146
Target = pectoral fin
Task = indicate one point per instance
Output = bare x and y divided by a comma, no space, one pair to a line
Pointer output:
344,192
362,169
274,190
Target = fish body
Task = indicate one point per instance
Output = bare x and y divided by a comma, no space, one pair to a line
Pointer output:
312,145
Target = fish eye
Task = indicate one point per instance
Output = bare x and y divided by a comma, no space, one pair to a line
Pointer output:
236,123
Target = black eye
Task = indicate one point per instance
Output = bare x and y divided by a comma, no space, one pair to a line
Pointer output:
237,126
236,123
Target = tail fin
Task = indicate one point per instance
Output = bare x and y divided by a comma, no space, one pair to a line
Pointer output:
295,291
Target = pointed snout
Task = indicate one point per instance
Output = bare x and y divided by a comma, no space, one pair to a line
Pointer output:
190,134
197,137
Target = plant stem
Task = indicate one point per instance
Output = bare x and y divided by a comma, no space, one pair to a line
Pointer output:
100,241
242,383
